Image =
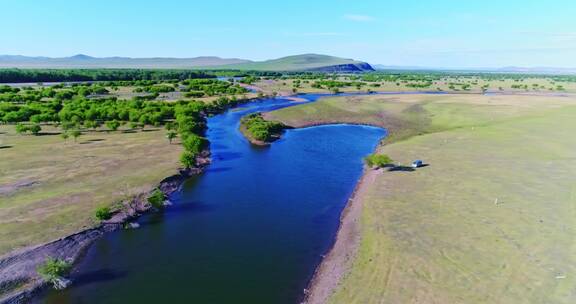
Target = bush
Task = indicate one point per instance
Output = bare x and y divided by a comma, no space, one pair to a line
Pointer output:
52,269
188,159
193,143
378,160
103,213
156,199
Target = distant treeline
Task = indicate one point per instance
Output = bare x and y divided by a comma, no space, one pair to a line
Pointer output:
69,75
57,75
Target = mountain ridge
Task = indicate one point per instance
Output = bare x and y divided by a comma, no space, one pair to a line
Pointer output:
303,62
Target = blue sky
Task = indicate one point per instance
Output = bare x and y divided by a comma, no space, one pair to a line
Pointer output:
439,33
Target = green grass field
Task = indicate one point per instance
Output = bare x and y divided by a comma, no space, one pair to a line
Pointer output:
490,220
536,86
50,188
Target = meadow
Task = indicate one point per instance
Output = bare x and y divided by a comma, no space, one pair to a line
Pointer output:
51,187
489,219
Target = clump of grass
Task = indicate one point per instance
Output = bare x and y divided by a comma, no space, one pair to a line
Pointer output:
103,213
157,198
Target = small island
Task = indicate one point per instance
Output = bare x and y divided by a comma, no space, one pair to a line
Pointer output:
259,131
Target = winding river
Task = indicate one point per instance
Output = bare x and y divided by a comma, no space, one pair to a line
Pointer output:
251,229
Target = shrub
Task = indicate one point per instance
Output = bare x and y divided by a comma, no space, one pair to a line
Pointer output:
378,160
103,213
156,199
193,143
113,125
188,159
21,128
52,269
35,129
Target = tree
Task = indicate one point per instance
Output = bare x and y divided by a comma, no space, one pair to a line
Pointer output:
21,128
53,269
91,124
193,143
157,198
103,213
378,160
171,135
75,134
35,129
188,159
113,125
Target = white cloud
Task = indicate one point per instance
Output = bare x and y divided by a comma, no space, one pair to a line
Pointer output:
359,18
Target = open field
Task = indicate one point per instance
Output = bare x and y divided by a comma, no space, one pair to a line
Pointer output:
490,220
50,188
449,83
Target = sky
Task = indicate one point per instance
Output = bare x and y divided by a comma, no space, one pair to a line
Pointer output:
438,33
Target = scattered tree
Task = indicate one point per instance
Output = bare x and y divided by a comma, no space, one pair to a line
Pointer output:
378,160
52,270
157,198
188,159
75,134
103,213
171,135
113,125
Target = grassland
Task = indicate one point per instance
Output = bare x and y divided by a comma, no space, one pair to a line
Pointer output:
529,86
490,220
51,187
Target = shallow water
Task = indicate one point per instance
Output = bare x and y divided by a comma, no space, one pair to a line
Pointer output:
251,229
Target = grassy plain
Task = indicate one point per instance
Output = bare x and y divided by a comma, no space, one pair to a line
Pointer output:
491,219
51,187
535,86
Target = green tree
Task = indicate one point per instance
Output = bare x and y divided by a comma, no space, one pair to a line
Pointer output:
75,134
35,129
188,159
21,128
53,269
193,143
171,135
113,125
157,198
103,213
378,160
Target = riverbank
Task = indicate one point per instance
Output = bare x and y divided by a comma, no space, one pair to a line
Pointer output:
338,261
19,279
438,234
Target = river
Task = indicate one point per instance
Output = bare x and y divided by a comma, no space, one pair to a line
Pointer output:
251,229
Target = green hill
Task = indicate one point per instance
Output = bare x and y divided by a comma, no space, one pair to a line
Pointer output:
306,62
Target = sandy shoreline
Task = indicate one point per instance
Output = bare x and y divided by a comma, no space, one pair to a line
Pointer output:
340,257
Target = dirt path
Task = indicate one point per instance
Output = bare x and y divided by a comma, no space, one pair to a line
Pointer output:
339,260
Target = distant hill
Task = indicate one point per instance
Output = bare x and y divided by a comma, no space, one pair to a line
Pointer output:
84,61
306,62
519,70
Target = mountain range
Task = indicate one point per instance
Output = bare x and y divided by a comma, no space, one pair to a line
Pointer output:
305,62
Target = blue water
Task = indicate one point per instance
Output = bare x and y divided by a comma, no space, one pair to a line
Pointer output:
251,229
